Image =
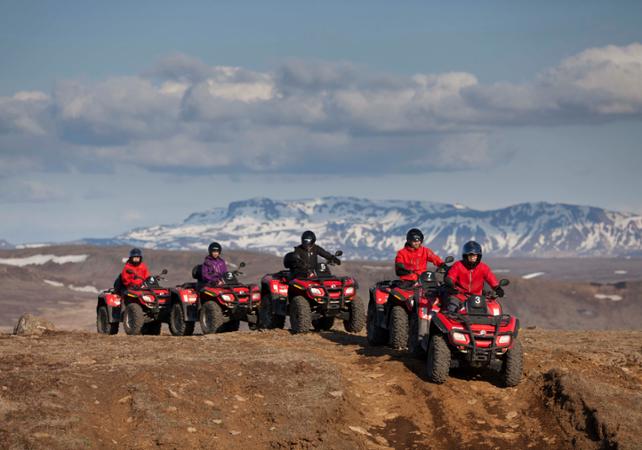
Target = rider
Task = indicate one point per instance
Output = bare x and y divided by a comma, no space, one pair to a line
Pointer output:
303,260
135,270
468,276
214,267
413,259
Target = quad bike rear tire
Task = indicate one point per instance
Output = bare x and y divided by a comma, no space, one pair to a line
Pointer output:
357,319
438,361
267,319
323,324
513,365
211,318
414,343
133,319
300,315
177,324
103,326
398,327
152,328
376,335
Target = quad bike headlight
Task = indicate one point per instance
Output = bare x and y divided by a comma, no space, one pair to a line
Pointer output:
459,338
317,292
148,298
227,297
349,290
256,296
503,339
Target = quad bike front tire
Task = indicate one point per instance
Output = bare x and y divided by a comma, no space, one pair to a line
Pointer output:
376,335
300,315
133,319
398,327
211,318
177,324
323,324
438,361
267,319
513,364
103,326
357,319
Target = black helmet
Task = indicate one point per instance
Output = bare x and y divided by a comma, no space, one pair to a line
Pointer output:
414,235
471,248
136,252
291,260
308,238
214,247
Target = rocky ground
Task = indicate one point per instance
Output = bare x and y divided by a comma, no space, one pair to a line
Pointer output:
271,389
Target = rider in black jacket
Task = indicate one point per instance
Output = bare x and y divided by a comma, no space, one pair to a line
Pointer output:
303,260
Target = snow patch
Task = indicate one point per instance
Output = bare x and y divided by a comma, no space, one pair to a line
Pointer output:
530,276
19,246
620,272
90,289
54,283
613,298
501,270
375,267
39,260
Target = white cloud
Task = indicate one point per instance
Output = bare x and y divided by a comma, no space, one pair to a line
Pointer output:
309,116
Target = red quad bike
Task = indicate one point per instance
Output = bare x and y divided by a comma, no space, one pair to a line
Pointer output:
478,335
144,309
315,301
394,306
224,306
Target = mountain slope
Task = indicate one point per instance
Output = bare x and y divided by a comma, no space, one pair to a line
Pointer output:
368,229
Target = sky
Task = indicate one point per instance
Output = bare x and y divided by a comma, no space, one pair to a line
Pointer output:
115,115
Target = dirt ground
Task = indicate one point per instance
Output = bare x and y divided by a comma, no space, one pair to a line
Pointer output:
271,389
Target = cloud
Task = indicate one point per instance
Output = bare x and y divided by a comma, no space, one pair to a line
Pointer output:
314,117
29,191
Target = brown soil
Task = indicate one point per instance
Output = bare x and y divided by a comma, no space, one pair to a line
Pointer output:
330,390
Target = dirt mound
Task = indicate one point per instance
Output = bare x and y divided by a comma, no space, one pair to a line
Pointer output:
329,390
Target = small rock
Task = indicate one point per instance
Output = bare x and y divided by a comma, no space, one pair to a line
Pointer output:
382,441
472,401
30,325
40,435
114,441
259,396
391,416
240,399
217,421
171,409
97,402
172,393
191,430
130,419
359,430
93,386
125,399
5,388
209,402
234,433
272,428
336,394
511,415
375,375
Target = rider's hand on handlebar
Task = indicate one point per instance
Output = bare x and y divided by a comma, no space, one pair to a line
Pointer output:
499,292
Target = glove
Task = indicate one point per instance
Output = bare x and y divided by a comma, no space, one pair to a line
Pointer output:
336,260
499,291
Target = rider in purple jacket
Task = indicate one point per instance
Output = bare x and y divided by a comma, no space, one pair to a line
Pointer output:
214,267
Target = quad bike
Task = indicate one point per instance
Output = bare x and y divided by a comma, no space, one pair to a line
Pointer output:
313,301
394,305
477,335
224,305
144,309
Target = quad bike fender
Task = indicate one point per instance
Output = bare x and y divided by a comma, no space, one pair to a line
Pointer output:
113,303
438,324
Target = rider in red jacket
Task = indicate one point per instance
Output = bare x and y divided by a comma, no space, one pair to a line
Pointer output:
135,271
468,276
413,259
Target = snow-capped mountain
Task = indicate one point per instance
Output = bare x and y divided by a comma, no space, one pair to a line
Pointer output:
5,245
371,229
